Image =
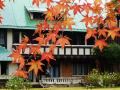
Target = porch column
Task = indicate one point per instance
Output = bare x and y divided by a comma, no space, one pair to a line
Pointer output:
20,37
0,68
12,68
34,78
9,39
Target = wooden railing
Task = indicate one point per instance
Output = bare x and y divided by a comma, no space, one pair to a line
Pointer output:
68,50
62,80
5,77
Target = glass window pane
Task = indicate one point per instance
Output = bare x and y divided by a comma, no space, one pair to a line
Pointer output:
2,39
80,69
15,36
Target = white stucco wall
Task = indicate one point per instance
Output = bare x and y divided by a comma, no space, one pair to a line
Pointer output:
12,68
9,40
0,68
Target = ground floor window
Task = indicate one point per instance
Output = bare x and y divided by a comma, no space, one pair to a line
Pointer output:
80,69
54,71
4,68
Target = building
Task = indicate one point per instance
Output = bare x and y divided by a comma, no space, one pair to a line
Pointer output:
20,18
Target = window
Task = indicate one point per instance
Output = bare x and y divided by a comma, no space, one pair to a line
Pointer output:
4,68
118,20
53,71
15,36
3,38
37,15
41,16
80,69
91,41
29,33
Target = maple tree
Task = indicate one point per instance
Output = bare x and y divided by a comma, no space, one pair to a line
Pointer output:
99,18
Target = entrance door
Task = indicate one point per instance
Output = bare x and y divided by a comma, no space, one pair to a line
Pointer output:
54,71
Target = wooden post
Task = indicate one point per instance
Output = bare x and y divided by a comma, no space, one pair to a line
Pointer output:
9,40
20,37
0,68
97,65
34,78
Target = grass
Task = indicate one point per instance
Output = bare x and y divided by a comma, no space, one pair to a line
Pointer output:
72,88
75,88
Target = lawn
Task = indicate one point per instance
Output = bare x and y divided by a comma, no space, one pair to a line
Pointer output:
72,88
75,88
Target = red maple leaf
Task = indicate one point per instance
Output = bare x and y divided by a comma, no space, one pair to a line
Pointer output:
86,7
15,55
17,58
64,40
111,21
45,25
97,1
21,73
25,39
102,32
100,44
21,47
2,4
23,44
21,63
49,14
38,29
98,20
35,50
36,2
90,33
57,27
48,56
51,36
52,48
113,33
40,39
68,23
48,2
96,8
87,20
76,9
35,66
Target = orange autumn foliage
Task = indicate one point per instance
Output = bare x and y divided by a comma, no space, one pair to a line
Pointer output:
35,66
58,18
100,44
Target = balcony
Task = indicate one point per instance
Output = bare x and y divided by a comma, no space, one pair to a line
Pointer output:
69,50
62,80
5,77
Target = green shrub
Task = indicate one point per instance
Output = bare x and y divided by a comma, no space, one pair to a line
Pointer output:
110,53
116,78
106,79
103,79
17,83
92,77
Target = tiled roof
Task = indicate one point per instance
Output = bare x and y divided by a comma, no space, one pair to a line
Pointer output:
16,15
4,53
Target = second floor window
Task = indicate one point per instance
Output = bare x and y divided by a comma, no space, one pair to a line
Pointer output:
16,36
37,15
3,37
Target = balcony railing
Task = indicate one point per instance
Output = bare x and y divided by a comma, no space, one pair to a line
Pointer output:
62,80
68,50
5,77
